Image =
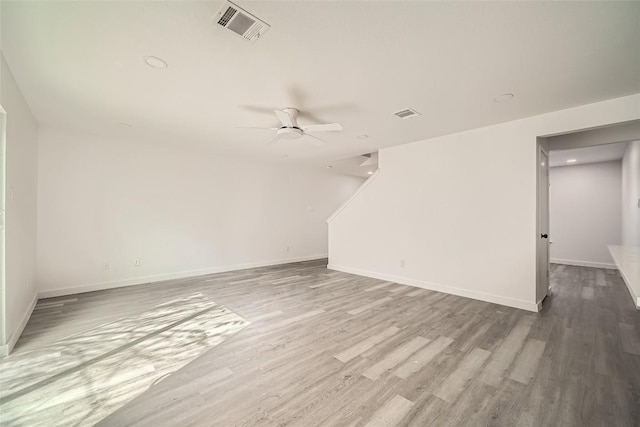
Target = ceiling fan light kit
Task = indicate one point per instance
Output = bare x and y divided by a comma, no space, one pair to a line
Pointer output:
289,133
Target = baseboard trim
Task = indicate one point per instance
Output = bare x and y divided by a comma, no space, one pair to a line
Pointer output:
579,263
496,299
7,348
162,277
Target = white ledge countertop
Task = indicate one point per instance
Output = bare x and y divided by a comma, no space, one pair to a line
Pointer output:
627,258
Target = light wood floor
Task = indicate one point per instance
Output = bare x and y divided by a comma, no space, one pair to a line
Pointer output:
301,345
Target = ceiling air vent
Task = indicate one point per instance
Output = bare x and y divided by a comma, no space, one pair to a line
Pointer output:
406,113
241,22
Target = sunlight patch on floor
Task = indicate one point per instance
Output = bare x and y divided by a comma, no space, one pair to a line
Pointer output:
81,379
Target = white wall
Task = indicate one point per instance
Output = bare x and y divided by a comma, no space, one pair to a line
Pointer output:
21,203
631,195
585,204
109,201
460,209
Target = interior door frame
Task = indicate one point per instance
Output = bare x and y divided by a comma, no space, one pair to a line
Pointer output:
542,192
3,184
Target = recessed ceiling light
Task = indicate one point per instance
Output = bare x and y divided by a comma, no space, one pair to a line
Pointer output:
123,125
503,97
571,161
362,136
370,173
155,62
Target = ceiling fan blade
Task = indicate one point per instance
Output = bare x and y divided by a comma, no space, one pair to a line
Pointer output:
254,127
334,108
310,117
296,96
257,109
323,128
273,140
317,141
284,118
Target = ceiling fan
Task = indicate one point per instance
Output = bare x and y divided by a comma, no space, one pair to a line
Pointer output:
291,130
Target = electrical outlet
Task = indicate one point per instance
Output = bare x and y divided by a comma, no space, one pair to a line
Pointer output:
402,263
137,262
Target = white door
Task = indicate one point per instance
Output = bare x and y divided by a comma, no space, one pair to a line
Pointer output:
542,285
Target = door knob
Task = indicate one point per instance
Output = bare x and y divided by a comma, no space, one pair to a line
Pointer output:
544,236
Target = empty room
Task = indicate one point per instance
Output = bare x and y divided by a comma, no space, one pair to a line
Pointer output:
319,213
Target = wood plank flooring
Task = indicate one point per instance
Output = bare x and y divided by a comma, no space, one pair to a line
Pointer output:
300,345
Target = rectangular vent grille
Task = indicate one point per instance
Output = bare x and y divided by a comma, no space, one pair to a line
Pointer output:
227,16
241,22
406,113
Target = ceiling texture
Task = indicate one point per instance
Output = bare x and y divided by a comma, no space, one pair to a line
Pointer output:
80,66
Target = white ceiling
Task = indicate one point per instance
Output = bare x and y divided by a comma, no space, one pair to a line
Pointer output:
595,154
79,65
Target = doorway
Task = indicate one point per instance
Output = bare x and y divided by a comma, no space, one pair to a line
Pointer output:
583,206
